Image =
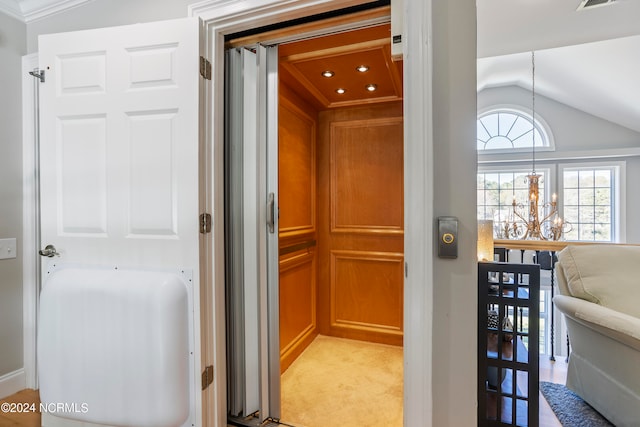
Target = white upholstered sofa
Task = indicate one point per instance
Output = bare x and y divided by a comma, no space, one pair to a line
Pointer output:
600,297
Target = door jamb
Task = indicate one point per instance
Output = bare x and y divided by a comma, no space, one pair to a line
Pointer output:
30,281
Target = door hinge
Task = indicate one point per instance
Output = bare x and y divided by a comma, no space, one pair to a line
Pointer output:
39,74
205,68
207,377
205,223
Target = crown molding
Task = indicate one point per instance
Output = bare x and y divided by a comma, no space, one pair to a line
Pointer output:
38,9
11,8
33,10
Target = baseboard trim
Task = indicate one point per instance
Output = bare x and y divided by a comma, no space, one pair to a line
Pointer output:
12,383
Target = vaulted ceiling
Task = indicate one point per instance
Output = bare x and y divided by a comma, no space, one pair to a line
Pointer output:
588,59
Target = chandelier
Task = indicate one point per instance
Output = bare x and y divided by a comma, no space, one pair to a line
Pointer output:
534,220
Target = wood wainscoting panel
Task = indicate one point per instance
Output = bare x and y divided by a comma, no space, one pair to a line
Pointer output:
297,165
366,156
366,293
360,223
297,133
297,304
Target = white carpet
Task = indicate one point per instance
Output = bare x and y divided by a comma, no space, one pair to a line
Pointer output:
346,383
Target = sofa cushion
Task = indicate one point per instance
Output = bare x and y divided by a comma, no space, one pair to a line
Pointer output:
608,275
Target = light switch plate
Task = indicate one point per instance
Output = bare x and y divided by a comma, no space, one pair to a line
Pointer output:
7,248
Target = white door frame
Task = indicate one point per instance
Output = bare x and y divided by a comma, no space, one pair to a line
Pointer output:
30,276
224,17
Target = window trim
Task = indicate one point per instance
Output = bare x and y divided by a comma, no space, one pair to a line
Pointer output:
619,191
542,125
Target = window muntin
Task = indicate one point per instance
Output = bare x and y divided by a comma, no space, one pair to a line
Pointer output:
589,202
496,190
510,130
589,197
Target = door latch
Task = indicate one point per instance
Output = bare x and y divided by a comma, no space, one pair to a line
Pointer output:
49,251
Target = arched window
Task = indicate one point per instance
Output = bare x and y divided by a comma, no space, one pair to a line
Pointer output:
510,129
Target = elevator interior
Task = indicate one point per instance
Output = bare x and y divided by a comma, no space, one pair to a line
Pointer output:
340,145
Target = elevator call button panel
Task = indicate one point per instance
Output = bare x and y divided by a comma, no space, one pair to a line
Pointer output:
448,237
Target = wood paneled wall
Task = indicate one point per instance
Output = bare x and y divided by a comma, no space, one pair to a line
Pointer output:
298,231
298,311
360,223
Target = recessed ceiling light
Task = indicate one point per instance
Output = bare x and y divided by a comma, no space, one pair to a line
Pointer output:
341,90
362,68
328,73
371,87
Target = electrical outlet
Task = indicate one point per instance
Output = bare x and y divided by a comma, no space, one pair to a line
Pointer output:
7,248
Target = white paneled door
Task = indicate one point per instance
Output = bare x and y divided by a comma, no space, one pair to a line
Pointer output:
120,175
119,144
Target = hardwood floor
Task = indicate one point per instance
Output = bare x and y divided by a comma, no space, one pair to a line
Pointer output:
555,372
549,371
22,409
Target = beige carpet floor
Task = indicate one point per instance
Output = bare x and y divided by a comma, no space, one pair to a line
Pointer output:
346,383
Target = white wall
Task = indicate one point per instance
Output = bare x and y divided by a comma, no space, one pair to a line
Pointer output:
633,200
454,177
106,13
13,43
573,129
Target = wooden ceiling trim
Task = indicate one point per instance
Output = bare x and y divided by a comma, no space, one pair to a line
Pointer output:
356,102
311,88
396,76
336,51
371,15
